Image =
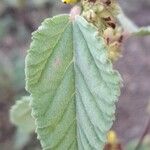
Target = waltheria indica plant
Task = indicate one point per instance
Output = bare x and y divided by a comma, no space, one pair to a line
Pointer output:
70,77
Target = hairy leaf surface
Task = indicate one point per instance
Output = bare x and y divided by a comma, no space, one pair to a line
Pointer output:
73,85
50,80
97,87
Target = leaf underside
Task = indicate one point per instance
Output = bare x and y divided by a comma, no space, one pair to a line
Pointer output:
73,85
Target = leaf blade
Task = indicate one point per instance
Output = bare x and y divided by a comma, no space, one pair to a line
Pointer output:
55,129
63,86
92,89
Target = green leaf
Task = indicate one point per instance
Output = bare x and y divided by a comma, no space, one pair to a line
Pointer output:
143,31
126,23
20,115
131,27
145,145
50,80
73,85
21,138
97,87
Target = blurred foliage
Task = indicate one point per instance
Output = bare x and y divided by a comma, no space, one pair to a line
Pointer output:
21,139
4,25
5,77
145,145
20,115
18,77
20,3
11,74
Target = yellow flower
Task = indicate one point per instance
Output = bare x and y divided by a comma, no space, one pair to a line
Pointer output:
70,1
112,141
112,137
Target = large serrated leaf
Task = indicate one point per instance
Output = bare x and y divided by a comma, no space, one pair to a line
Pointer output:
72,84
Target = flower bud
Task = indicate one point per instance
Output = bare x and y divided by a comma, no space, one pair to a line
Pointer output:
70,1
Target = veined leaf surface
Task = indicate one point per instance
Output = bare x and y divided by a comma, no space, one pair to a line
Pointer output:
73,85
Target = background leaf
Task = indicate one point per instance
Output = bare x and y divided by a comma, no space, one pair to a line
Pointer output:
20,115
126,23
143,31
72,84
131,27
17,3
21,138
145,145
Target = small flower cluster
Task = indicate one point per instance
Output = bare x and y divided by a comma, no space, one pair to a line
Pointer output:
100,12
103,14
113,39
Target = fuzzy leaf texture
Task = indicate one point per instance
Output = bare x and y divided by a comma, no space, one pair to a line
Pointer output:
20,115
72,83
